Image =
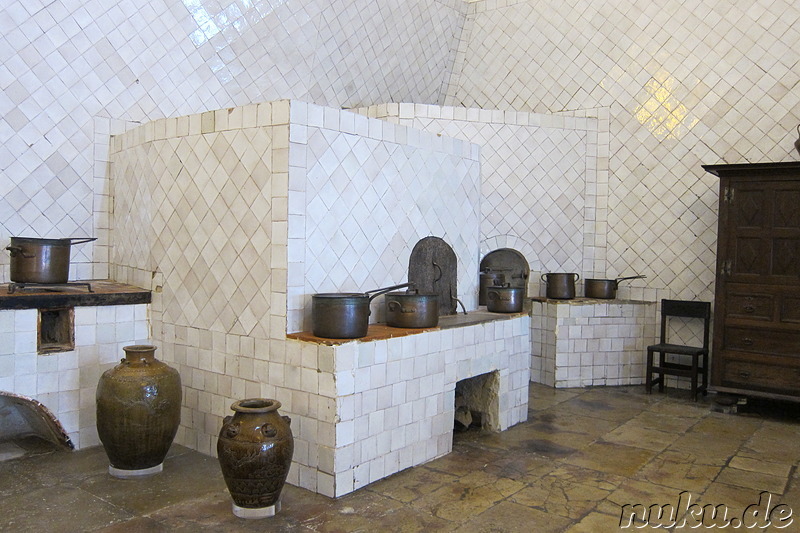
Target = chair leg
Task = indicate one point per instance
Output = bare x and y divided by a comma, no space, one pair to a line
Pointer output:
705,374
661,377
695,360
648,379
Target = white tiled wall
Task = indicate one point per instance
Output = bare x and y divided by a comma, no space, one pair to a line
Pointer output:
581,343
66,382
681,82
362,193
201,214
72,72
541,190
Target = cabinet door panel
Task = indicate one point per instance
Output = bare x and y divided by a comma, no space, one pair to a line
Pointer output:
786,213
790,309
786,257
751,256
748,207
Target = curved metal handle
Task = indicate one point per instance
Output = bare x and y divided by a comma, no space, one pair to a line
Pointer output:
378,292
544,280
577,277
747,341
437,267
394,305
81,240
17,250
744,375
749,309
494,295
629,277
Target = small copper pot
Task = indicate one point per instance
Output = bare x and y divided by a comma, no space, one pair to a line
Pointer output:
504,299
412,309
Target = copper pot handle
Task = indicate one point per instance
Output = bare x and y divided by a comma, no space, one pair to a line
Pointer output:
17,250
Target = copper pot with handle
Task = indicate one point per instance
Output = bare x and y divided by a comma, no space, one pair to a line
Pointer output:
605,289
343,315
412,309
36,260
561,285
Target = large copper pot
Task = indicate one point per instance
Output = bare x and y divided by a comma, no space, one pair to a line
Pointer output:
41,260
343,315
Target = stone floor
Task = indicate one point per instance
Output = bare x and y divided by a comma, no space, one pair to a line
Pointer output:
582,455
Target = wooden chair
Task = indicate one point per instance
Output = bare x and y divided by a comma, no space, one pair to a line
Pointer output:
683,309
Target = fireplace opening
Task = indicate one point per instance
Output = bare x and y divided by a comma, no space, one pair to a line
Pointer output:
56,330
477,403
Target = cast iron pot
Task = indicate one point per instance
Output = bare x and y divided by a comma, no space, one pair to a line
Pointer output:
504,299
343,315
412,309
603,288
41,260
560,286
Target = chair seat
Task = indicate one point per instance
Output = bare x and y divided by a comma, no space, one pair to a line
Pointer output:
678,349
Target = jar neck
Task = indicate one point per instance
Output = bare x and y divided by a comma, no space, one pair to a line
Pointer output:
134,354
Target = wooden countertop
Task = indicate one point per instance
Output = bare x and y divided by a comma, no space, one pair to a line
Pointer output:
104,292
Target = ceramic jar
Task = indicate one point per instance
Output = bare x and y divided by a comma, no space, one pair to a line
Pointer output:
138,412
255,448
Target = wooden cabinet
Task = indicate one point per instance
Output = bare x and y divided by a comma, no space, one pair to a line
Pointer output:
756,346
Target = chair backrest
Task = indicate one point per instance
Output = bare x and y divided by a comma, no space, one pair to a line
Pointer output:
686,309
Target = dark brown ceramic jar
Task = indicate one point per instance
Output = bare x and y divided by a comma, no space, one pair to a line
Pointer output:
138,412
255,448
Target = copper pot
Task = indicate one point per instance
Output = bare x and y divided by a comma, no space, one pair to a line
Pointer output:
504,299
560,285
41,260
605,289
412,309
343,315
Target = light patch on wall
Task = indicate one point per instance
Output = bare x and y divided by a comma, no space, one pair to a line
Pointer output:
236,15
662,113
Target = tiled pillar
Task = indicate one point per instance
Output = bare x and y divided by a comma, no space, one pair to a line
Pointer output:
586,342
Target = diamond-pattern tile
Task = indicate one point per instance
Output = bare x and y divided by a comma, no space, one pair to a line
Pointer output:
537,182
206,230
65,68
682,84
369,200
